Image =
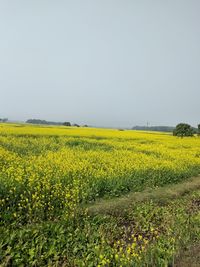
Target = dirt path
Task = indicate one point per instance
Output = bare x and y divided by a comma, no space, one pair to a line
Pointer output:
189,258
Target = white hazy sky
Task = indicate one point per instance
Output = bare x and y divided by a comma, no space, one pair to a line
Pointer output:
102,62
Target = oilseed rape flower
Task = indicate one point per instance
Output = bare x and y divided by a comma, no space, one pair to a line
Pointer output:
47,172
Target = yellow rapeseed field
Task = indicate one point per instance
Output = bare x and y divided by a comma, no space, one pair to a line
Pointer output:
50,175
45,172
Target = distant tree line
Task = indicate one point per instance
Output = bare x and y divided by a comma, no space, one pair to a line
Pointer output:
67,123
44,122
154,128
38,121
181,129
3,120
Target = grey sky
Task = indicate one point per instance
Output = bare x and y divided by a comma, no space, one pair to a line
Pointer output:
101,62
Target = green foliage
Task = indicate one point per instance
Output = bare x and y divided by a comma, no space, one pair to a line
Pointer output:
146,234
67,123
3,120
43,122
154,128
198,129
183,129
76,125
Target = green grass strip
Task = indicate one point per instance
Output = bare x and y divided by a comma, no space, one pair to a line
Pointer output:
160,194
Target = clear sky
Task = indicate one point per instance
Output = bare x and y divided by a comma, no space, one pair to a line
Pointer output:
101,62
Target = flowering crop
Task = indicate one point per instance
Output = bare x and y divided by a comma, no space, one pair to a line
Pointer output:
45,172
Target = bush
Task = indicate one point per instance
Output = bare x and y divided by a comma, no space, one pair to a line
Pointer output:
198,130
67,123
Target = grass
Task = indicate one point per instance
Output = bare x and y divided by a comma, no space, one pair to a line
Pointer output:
150,231
160,194
189,257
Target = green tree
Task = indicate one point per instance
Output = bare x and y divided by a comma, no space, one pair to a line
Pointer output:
76,125
198,130
183,129
67,123
3,120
